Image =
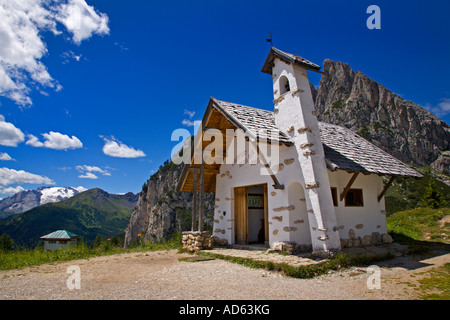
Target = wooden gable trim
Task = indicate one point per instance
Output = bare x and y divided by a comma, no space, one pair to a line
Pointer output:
386,187
349,185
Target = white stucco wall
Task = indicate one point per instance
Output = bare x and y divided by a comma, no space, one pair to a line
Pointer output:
295,115
57,245
292,224
363,220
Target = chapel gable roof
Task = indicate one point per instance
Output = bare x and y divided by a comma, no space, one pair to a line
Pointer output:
343,148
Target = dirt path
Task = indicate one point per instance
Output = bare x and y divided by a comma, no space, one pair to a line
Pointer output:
160,275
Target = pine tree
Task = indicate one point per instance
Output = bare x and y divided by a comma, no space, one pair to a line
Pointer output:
98,241
432,198
6,243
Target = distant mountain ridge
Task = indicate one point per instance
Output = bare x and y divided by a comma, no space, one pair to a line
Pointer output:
29,199
87,214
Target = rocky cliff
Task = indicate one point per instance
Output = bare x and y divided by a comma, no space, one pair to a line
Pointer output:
400,127
161,211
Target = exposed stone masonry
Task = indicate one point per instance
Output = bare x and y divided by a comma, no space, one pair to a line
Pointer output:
195,241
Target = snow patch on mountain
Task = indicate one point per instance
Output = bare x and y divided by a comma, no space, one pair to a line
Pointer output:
29,199
56,194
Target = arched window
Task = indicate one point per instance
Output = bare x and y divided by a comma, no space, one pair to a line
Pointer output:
284,85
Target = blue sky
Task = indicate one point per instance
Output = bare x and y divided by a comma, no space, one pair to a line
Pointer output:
94,104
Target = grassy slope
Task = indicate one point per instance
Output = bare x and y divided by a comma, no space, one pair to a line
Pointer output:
406,194
420,224
425,231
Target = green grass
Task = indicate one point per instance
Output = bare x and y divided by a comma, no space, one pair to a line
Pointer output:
340,261
420,229
30,257
420,224
438,280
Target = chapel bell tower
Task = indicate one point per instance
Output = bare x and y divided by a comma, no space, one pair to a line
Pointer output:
295,115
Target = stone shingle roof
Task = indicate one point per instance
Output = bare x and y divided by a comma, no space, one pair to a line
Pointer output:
346,150
254,121
289,57
343,148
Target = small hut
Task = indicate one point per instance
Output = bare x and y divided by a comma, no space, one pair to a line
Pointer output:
60,239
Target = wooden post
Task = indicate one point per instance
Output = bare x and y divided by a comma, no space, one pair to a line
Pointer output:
349,185
386,187
202,196
194,198
266,217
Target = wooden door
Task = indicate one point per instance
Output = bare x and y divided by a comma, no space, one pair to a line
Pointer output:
241,215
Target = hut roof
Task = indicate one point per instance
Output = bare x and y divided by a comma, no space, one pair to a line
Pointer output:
60,234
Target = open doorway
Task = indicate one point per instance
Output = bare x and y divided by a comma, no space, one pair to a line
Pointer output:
251,224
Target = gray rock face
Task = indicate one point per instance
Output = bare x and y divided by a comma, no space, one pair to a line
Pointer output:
400,127
21,202
442,164
161,211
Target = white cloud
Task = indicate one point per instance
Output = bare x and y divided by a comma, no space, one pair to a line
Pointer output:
11,176
55,140
10,136
34,141
115,148
82,20
441,109
121,45
68,56
11,190
85,168
88,175
444,106
5,157
87,172
22,25
190,123
191,114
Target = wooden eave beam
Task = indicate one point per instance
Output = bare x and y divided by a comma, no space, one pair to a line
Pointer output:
277,184
349,185
386,187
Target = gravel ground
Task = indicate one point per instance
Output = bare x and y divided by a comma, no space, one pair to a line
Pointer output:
160,275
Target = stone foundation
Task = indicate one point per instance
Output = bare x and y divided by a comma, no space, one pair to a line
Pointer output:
194,241
354,242
374,239
220,242
290,247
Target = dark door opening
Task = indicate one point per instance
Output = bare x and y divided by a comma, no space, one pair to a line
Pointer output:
251,215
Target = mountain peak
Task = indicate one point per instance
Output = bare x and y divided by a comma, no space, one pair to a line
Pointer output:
400,127
29,199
